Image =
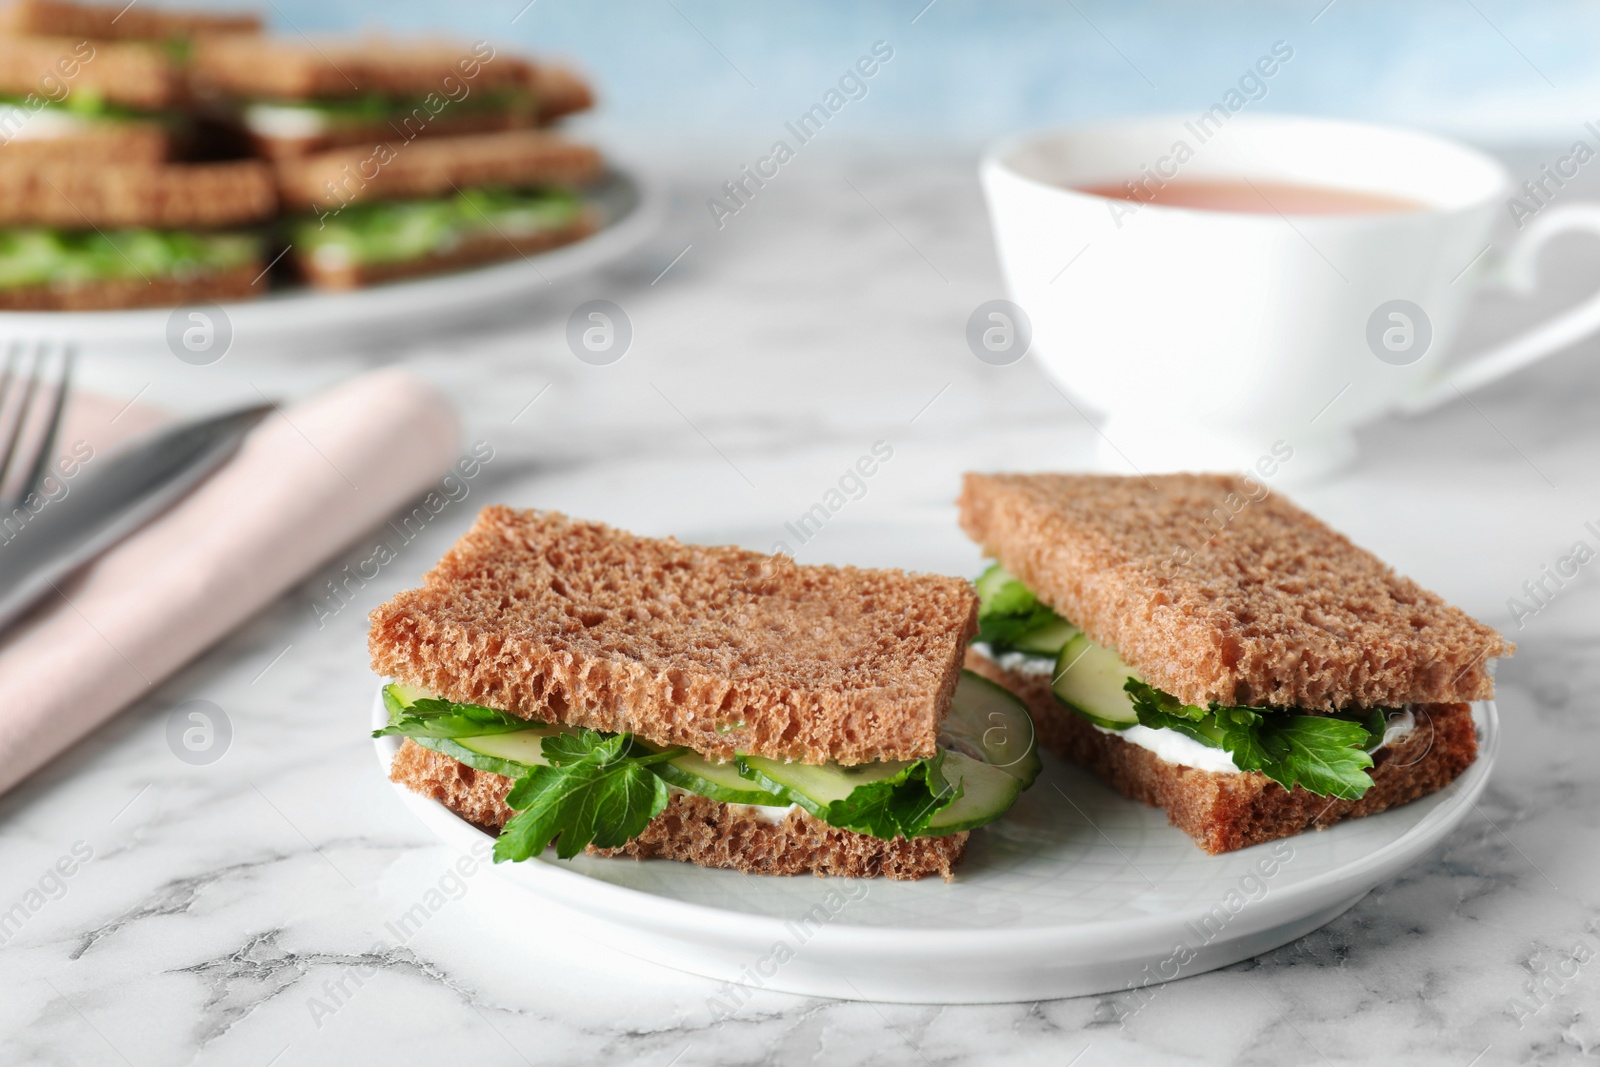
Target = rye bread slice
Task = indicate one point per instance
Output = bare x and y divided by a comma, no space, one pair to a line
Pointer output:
298,69
696,830
239,283
177,196
559,91
131,74
436,166
118,21
1224,812
368,135
146,143
719,649
1215,589
475,250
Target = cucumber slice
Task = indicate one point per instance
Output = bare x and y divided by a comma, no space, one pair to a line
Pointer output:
991,582
1089,680
476,760
716,781
988,724
1047,640
524,746
812,787
987,792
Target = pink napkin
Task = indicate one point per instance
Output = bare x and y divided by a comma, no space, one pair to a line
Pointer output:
306,483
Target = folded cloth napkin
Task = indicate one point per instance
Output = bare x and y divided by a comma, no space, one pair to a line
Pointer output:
307,481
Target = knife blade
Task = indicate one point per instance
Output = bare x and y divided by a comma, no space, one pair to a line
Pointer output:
108,500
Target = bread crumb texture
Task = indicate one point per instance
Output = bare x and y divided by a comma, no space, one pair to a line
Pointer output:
696,830
718,649
1215,589
1225,812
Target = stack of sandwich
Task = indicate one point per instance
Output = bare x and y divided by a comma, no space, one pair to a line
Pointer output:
563,682
135,145
1208,648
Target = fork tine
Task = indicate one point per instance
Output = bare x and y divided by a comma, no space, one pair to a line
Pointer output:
8,456
45,450
14,357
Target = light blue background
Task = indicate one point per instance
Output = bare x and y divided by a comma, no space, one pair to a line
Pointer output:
1493,70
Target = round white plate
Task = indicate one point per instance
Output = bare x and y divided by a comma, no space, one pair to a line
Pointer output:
1076,891
630,210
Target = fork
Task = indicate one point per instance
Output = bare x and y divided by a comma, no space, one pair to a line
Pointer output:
33,394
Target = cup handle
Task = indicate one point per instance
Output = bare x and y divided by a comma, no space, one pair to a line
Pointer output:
1521,276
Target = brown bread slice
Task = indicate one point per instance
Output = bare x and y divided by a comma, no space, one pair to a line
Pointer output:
119,20
471,251
297,69
696,830
715,648
435,166
368,135
104,142
240,283
1224,812
187,196
1213,589
132,75
559,92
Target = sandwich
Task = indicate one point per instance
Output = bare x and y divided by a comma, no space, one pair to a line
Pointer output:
75,237
1208,648
293,98
561,681
73,100
397,210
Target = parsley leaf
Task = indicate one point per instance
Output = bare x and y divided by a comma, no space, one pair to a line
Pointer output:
1323,754
899,806
431,717
597,790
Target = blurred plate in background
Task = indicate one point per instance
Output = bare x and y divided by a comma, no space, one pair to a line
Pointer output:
629,208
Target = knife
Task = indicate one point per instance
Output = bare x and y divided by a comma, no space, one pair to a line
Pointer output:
110,499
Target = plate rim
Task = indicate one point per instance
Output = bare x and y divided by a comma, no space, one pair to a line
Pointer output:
679,915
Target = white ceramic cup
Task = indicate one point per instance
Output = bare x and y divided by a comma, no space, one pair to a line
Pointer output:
1207,337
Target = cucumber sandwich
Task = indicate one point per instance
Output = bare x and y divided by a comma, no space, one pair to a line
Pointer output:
1210,649
396,210
564,684
76,237
293,97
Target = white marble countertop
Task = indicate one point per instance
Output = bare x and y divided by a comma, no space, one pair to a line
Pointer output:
221,904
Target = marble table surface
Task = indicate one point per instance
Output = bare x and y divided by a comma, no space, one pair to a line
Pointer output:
214,913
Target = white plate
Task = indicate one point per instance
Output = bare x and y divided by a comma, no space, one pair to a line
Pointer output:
1076,891
630,210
